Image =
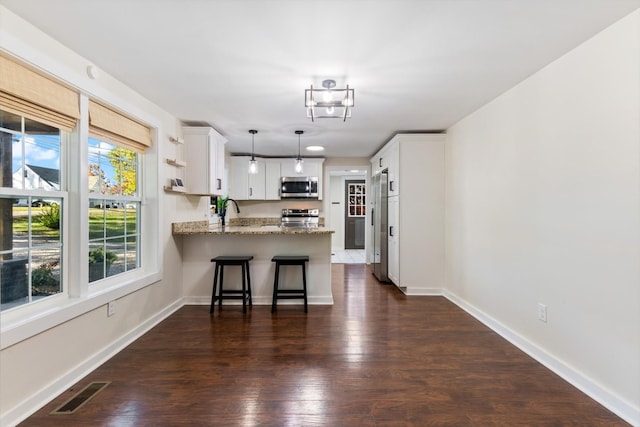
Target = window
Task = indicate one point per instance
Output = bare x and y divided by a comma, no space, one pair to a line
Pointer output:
31,202
357,206
114,206
51,269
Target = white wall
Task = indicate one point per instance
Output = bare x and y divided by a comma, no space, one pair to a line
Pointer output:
336,214
37,369
543,206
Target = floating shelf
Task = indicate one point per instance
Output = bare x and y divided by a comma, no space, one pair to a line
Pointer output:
176,162
174,189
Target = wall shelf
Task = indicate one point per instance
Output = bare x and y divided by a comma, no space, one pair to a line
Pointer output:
174,189
176,162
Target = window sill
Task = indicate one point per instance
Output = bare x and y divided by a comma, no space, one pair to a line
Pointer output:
14,330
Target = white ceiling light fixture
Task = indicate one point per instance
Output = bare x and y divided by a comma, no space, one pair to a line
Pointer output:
298,166
253,164
329,103
315,148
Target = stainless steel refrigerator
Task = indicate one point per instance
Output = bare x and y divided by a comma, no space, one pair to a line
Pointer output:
379,189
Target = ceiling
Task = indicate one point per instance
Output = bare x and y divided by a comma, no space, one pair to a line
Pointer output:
416,65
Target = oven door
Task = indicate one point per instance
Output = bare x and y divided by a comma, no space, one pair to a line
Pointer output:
299,187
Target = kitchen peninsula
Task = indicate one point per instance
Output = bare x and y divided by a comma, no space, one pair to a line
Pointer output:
262,238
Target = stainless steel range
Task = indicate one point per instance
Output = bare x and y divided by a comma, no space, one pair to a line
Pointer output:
309,218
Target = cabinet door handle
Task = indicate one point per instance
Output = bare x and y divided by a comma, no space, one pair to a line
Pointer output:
372,216
219,184
250,191
391,231
380,162
391,185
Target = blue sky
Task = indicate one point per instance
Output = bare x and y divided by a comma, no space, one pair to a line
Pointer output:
44,150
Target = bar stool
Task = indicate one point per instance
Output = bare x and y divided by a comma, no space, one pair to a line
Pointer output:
245,293
300,260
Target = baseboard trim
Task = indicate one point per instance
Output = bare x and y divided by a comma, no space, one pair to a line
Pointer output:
50,392
423,292
609,400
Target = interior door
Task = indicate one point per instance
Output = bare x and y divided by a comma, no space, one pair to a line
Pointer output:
354,214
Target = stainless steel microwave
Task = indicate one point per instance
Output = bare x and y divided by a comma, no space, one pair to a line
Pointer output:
299,187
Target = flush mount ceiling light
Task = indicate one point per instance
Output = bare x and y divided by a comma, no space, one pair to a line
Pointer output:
315,148
329,103
253,164
298,166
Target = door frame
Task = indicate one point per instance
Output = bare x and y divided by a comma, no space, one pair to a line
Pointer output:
342,170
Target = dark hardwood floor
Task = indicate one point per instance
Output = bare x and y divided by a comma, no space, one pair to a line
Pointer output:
374,358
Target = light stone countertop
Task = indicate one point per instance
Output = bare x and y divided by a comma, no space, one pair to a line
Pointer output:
256,228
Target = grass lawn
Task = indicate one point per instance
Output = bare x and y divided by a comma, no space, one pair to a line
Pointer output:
115,222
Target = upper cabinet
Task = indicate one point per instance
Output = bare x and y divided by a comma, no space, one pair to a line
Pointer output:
393,168
272,179
265,185
244,185
310,167
380,161
388,158
204,152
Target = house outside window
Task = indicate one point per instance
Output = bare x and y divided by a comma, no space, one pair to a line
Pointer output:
31,206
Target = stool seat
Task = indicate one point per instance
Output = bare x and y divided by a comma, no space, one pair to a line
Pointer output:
245,293
290,259
232,259
278,293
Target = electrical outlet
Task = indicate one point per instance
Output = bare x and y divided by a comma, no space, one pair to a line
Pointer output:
111,308
542,312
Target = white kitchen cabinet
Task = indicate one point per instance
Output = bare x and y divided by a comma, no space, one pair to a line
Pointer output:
310,167
272,179
380,161
393,156
387,158
244,185
393,237
204,152
265,185
416,241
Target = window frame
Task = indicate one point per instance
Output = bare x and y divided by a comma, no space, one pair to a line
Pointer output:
24,322
135,198
61,193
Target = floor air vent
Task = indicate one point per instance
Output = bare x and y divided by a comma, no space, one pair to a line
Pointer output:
82,397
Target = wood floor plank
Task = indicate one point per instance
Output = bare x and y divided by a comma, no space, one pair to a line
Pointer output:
374,358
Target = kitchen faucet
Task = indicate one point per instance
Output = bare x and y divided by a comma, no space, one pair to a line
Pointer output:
235,203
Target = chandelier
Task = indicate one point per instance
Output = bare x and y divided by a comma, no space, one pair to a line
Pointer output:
329,102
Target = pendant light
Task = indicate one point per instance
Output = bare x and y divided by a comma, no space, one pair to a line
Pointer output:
298,166
253,164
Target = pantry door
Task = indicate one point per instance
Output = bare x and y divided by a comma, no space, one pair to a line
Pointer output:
354,215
